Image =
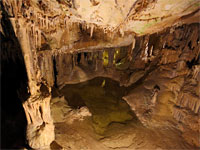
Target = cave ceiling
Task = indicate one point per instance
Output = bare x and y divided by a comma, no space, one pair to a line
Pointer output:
74,25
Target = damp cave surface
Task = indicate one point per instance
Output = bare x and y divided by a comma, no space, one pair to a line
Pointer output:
149,47
112,124
103,98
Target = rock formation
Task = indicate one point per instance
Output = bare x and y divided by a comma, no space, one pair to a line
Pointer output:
152,47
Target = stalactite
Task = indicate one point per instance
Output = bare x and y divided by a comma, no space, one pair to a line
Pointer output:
196,71
82,59
39,38
164,44
96,63
40,21
133,44
145,56
46,22
36,38
197,108
36,18
73,61
110,57
178,114
65,22
91,31
112,35
121,31
19,3
151,51
190,101
15,7
43,23
33,34
31,30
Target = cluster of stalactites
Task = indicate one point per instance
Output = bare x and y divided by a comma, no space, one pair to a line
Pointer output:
40,128
95,58
147,53
186,100
38,22
109,31
35,21
13,7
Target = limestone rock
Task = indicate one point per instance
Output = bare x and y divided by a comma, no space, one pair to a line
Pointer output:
119,141
59,109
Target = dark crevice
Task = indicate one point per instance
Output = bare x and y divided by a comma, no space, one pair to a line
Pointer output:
14,81
78,57
55,72
190,45
193,62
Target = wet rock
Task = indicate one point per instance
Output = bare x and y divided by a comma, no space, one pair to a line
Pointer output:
59,109
119,141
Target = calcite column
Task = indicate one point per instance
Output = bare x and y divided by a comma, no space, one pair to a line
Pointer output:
40,128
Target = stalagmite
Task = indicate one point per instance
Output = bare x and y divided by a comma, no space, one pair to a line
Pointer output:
40,128
155,94
154,98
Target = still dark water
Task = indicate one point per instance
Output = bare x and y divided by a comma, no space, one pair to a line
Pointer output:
103,98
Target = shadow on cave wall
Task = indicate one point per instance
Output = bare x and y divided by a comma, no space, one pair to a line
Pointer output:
13,79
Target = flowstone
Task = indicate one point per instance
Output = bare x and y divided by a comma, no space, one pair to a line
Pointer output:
40,127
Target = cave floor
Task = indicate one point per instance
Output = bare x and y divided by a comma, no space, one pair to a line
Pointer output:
80,135
103,121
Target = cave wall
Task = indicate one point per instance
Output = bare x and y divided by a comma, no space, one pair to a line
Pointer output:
14,84
60,49
175,70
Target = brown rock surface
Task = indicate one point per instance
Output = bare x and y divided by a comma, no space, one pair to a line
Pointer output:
150,47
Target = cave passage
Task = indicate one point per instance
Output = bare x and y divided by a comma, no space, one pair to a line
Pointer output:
103,97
